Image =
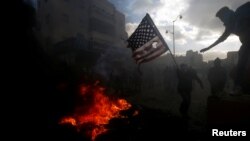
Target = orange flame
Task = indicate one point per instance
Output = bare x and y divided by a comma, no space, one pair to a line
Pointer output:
68,120
99,113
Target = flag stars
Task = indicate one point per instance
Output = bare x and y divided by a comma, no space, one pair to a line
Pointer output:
142,34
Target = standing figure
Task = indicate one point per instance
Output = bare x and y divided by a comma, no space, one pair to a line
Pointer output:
217,78
238,23
186,76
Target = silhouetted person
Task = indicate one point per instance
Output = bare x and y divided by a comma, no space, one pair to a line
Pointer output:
217,78
186,77
238,23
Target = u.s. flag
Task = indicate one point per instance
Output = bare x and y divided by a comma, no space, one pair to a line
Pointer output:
146,42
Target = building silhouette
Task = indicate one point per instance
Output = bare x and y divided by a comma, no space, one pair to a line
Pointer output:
80,31
95,22
232,58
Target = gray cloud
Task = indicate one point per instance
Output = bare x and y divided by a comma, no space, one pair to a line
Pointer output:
201,13
203,34
178,34
138,9
142,6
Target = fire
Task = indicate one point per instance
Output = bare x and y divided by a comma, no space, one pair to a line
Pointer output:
69,120
96,109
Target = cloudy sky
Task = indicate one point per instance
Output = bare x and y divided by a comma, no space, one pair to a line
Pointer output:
197,29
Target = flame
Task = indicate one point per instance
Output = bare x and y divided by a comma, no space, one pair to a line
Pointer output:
68,120
98,113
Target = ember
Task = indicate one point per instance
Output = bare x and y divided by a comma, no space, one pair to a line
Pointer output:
96,109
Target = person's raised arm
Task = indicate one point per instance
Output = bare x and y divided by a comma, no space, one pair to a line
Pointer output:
221,39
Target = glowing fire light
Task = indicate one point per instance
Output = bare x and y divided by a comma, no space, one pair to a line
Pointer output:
70,120
98,113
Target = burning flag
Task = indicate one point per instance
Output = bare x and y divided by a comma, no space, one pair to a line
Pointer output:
146,42
97,113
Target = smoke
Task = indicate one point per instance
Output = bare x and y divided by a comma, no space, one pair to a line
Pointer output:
214,54
114,60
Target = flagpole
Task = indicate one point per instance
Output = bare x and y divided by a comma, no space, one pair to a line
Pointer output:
173,58
161,38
